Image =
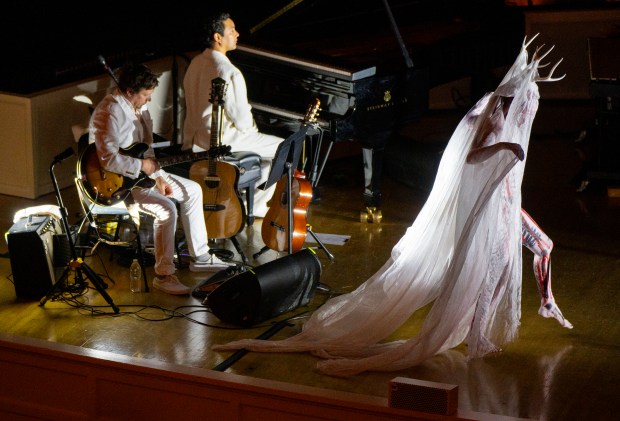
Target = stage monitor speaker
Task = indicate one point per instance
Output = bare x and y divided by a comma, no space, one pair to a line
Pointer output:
267,290
31,250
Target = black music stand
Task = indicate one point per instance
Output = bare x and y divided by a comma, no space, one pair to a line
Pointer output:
82,270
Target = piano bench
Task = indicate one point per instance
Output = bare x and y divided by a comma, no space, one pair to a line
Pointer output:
249,164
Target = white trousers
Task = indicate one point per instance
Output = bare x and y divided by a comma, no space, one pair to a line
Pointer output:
188,194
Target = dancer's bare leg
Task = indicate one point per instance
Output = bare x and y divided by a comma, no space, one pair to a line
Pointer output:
541,245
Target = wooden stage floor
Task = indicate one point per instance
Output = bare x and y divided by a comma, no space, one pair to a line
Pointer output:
548,373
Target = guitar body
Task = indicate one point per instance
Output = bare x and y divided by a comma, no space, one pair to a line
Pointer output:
106,188
222,204
103,187
274,229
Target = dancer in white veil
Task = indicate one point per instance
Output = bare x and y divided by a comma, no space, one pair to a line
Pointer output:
463,251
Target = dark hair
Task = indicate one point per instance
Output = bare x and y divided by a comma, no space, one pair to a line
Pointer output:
134,77
214,25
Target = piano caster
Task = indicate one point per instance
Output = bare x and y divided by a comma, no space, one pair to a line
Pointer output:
370,215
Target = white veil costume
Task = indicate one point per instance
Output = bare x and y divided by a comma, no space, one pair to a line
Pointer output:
463,251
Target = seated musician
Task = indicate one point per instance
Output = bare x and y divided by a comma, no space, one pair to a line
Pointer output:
239,128
121,121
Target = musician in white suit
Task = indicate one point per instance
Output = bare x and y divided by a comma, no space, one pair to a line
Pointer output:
120,124
239,128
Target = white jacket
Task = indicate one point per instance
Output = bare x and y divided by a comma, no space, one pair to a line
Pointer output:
239,128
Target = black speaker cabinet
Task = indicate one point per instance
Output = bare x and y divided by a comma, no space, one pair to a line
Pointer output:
31,249
267,290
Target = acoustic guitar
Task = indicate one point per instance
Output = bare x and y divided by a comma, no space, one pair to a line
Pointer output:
275,229
222,204
107,188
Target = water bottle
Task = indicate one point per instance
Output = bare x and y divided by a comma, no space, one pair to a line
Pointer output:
135,276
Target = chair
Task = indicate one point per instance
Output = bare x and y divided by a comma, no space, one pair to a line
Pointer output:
113,225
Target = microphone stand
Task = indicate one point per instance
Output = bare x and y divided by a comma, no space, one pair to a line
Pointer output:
81,269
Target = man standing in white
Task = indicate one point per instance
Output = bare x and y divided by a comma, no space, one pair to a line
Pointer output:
239,130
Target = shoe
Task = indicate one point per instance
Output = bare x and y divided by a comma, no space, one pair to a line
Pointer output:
213,264
171,285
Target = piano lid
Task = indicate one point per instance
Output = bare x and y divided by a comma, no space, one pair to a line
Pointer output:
349,72
347,34
452,38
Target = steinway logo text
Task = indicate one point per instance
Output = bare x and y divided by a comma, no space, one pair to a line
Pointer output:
385,105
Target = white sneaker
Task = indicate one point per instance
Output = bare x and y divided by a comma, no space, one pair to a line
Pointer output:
170,284
214,264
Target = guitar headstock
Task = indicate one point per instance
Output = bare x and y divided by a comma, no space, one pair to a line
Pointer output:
218,90
312,112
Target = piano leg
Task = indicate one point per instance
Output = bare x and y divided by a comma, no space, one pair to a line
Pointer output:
373,167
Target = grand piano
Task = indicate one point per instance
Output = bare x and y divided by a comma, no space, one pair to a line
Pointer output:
371,65
357,104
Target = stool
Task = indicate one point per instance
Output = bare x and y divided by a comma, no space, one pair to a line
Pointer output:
249,173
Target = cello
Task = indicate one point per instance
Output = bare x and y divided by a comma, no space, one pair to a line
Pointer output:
222,204
275,227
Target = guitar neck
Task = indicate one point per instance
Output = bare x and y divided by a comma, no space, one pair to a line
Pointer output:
185,157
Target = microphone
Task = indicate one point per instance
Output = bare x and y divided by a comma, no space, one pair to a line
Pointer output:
107,69
64,155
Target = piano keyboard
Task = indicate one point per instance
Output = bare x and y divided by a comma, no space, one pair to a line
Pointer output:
286,114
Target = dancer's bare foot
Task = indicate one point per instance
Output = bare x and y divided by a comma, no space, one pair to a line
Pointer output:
550,309
481,347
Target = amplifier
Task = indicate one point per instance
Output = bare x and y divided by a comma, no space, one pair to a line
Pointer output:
31,249
423,396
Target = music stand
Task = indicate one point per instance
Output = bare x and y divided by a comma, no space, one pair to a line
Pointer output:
285,160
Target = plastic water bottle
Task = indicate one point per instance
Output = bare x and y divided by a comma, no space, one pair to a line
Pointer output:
135,276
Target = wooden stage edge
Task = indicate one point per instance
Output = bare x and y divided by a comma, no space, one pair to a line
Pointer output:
49,380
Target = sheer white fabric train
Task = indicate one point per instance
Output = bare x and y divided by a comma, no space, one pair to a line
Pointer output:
463,251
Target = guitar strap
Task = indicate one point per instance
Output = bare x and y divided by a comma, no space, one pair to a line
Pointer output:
145,128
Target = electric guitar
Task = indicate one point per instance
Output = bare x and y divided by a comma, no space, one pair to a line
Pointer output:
275,229
107,188
223,207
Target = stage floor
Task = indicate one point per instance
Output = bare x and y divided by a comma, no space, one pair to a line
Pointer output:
549,372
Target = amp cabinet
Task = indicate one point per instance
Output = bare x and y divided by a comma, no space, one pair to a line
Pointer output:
31,249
